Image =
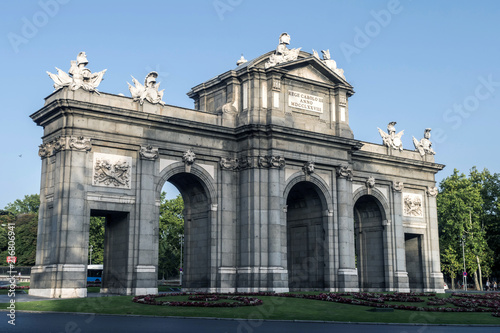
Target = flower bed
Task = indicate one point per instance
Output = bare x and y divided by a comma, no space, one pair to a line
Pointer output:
200,300
17,287
461,302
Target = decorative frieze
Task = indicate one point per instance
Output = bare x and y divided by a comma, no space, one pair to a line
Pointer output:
432,191
149,153
272,162
344,171
112,170
413,205
78,143
397,186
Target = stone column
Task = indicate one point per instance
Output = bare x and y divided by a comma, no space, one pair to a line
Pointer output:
400,274
347,273
436,283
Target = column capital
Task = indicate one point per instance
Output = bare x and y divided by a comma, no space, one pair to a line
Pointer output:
344,171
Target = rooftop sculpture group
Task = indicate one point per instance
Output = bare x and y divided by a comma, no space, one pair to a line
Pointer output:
282,53
393,140
148,91
78,76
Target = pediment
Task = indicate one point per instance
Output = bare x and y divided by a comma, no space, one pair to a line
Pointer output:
314,69
305,66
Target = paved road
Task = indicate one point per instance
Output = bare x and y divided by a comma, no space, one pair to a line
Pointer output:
82,323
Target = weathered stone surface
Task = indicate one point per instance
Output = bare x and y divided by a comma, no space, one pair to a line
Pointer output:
260,214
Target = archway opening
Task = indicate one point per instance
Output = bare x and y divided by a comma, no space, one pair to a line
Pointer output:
195,246
369,243
305,237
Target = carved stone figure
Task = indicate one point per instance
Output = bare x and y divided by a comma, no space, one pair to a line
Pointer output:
79,143
398,186
330,63
241,61
412,205
272,162
188,157
148,91
282,53
370,182
432,191
344,171
424,145
308,168
149,153
392,140
78,76
228,163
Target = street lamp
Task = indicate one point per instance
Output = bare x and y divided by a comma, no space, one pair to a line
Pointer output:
181,241
464,278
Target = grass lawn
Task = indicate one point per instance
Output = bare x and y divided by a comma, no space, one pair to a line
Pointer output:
273,308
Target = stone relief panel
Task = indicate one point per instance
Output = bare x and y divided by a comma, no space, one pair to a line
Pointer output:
112,170
413,205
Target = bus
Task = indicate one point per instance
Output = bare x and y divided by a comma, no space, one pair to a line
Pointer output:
94,273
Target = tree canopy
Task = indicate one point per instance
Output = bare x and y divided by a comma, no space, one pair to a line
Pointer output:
466,207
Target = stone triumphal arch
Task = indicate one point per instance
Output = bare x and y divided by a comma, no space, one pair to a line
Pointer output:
278,194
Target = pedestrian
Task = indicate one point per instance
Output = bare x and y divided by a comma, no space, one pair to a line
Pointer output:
488,285
494,285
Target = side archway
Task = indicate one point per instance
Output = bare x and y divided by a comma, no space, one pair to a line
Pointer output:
369,217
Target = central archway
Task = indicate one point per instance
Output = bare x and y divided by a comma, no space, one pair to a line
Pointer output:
306,237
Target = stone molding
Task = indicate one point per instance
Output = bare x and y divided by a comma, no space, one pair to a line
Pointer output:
344,171
78,143
148,153
272,162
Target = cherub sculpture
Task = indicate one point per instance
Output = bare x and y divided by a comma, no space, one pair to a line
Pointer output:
148,91
78,76
392,140
424,145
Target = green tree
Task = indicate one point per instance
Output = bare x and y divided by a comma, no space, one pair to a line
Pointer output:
96,239
490,220
171,229
24,214
30,204
460,211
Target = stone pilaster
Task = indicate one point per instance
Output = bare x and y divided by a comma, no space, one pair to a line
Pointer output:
435,279
400,274
347,273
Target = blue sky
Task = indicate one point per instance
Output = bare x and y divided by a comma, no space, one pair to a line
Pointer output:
420,63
